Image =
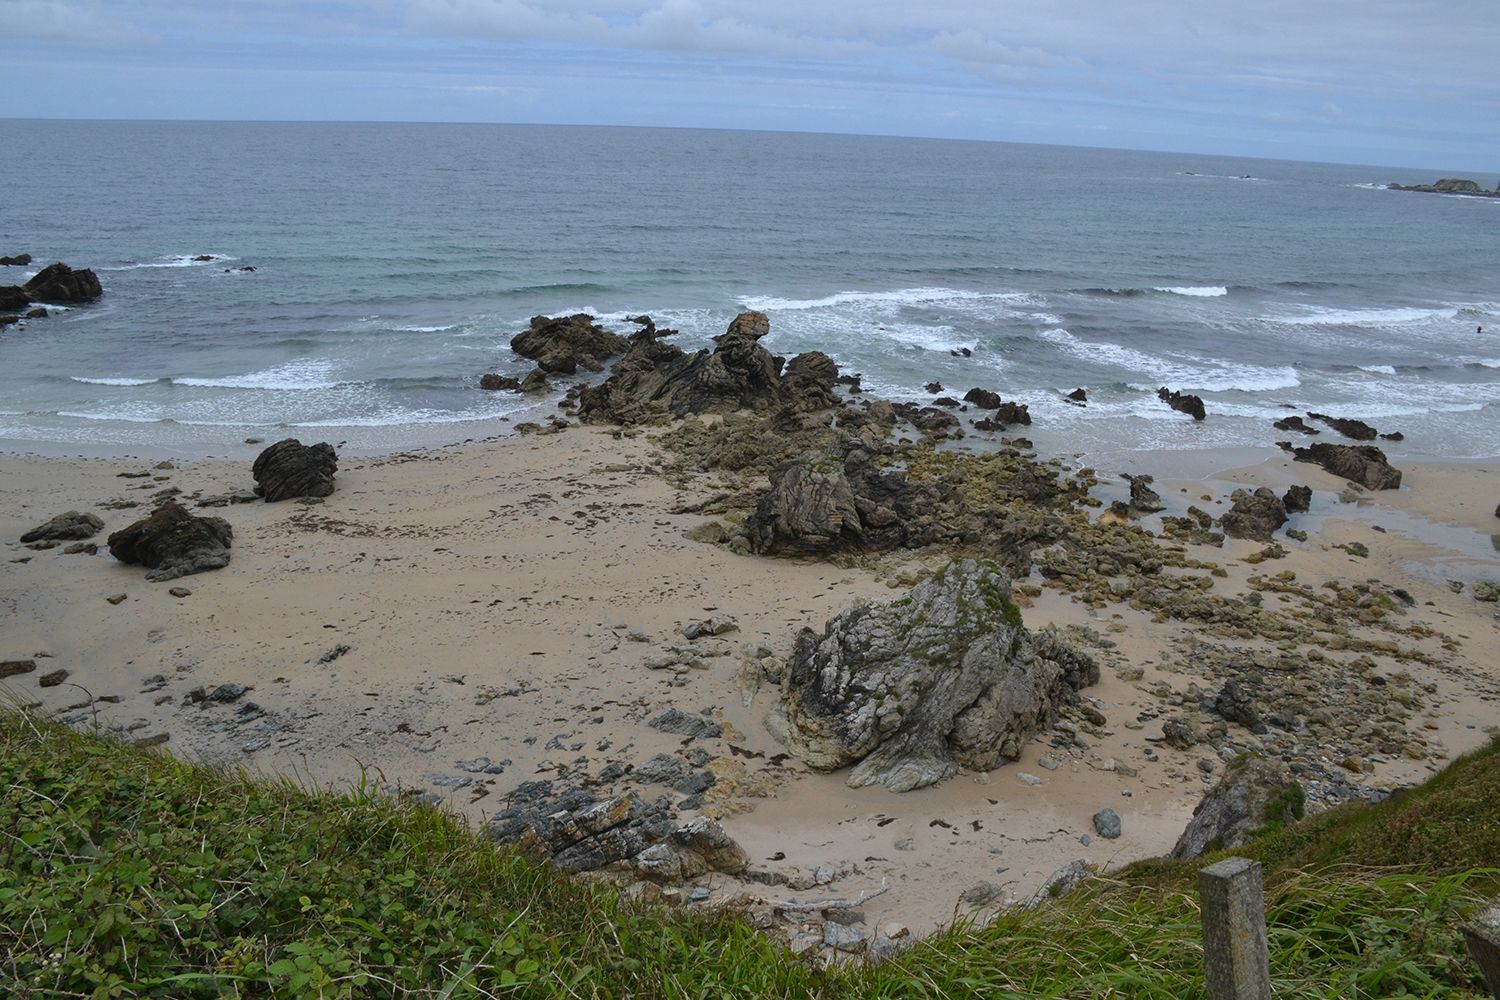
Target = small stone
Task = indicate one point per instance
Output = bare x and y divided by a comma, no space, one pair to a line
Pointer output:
116,598
180,592
905,844
1107,824
1205,765
1085,840
1049,762
52,679
699,894
846,939
982,893
11,668
152,741
1029,779
226,693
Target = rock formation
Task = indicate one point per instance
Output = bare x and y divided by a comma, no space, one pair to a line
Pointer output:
1294,423
67,527
1254,515
1183,403
60,283
983,398
172,543
1361,463
946,677
1356,429
494,381
1254,794
1297,499
563,345
19,260
1079,396
289,469
1143,499
1448,185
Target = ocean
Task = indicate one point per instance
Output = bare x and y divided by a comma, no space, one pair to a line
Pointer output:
393,262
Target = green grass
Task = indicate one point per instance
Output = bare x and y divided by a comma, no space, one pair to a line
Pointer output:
126,873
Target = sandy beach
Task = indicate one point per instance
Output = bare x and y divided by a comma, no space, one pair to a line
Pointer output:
458,621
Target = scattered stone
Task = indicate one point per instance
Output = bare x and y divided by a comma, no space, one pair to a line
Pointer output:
52,678
289,469
65,527
1107,824
1142,497
1181,734
710,627
334,653
81,548
982,894
842,938
173,543
226,694
180,592
152,741
1061,882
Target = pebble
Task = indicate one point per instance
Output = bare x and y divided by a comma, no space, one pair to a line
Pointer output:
116,598
1029,779
1051,763
52,679
180,592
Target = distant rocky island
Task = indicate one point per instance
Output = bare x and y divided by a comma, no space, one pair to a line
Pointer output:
1449,185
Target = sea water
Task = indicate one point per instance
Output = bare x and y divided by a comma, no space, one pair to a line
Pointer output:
394,262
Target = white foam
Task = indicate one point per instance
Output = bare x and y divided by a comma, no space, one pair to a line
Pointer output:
428,329
177,260
113,381
1364,317
1197,291
1185,372
1378,369
897,297
311,373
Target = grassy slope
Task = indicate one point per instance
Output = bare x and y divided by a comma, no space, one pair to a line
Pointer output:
125,873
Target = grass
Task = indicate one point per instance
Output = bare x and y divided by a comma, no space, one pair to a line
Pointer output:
126,873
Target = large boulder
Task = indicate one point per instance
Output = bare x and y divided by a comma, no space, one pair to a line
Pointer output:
563,345
290,469
172,543
69,527
1182,402
1361,463
1254,515
946,677
809,380
985,399
807,509
1255,795
60,283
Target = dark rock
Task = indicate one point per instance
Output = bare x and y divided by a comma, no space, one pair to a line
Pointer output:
1361,463
494,381
675,773
535,381
1294,423
7,319
1182,402
289,469
1180,734
1142,497
19,260
1356,429
983,398
675,720
1254,515
14,668
1077,396
947,401
226,694
1448,185
961,352
172,543
52,678
13,299
563,345
1235,703
81,548
1297,499
909,691
807,509
1013,413
933,387
1107,824
809,380
60,283
65,527
1254,794
1393,436
40,312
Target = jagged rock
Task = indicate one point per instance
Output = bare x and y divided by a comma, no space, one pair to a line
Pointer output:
535,381
948,402
563,345
945,678
1107,824
1356,429
983,398
1142,497
40,312
494,381
19,260
577,831
933,387
13,299
172,543
1182,402
60,283
1235,703
674,772
1294,423
710,627
680,723
1297,499
1361,463
1077,396
807,509
289,469
1180,734
1254,793
928,419
65,527
809,380
1254,515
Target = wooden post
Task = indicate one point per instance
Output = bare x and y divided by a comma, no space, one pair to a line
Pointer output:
1483,939
1237,960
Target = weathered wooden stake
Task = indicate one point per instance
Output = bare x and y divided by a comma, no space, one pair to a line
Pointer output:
1483,939
1234,931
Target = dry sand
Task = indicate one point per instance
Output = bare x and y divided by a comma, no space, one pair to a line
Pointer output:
501,600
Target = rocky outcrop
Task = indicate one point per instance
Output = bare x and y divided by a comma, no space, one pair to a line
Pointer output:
72,526
60,283
493,381
19,260
1361,463
983,398
1255,794
1448,185
1356,429
1254,515
1294,423
289,469
1297,499
910,691
561,346
807,509
172,543
809,380
577,831
1079,396
1182,402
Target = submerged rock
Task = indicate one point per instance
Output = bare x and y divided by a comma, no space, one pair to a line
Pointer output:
910,691
65,527
1361,463
1182,402
1255,794
172,543
60,283
1356,429
1294,423
289,469
494,381
19,260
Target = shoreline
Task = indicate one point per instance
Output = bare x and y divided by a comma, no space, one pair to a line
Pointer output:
494,596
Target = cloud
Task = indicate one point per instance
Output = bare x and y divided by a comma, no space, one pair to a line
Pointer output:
66,21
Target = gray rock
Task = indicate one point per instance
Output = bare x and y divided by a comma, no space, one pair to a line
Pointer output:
945,678
1252,794
1107,824
290,469
982,894
675,773
675,720
1142,497
173,543
65,527
52,678
1236,704
226,693
709,627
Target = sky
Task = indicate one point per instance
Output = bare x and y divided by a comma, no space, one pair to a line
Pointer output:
1382,82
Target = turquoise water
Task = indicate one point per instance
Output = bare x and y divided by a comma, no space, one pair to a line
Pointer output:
394,262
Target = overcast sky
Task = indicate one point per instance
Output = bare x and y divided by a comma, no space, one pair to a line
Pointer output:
1391,82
